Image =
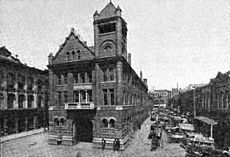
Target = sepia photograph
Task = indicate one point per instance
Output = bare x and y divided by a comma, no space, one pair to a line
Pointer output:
114,78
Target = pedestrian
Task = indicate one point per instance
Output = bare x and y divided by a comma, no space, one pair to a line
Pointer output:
117,145
114,144
103,142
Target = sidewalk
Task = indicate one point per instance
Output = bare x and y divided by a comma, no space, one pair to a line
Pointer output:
20,135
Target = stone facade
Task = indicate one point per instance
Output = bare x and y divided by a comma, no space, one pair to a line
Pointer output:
23,95
94,92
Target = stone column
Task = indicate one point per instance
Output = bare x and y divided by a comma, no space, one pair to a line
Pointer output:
71,86
86,96
5,100
119,37
51,88
119,93
35,101
97,85
16,100
25,102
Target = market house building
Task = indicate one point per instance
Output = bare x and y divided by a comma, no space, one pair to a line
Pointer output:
23,95
94,91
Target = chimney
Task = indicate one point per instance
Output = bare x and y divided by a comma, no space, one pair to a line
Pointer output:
141,75
129,58
145,81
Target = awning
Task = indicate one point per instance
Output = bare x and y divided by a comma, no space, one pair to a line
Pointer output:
206,120
189,127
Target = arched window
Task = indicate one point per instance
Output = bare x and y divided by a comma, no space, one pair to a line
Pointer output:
108,48
21,100
10,101
105,123
73,54
56,121
78,54
67,56
30,101
112,123
40,101
62,121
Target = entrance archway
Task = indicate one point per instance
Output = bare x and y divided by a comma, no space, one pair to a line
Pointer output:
83,129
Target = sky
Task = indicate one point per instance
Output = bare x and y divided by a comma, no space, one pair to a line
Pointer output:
184,41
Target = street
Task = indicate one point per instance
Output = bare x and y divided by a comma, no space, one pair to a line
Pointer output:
37,146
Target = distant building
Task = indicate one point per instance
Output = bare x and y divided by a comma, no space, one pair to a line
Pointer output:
161,97
23,95
94,92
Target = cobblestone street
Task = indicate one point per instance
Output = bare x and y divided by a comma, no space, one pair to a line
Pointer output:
37,146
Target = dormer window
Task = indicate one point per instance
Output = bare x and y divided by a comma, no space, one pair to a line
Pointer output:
67,56
111,27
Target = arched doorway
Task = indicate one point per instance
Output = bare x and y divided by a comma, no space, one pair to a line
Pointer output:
83,129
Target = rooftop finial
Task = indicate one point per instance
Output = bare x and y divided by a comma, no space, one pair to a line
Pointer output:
72,29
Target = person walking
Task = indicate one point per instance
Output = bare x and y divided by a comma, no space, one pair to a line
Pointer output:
103,143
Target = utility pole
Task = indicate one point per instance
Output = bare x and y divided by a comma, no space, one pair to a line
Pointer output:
194,101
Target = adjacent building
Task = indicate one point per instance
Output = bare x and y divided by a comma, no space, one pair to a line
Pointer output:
23,95
94,92
212,101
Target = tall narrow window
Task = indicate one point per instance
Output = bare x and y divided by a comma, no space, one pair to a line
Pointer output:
90,99
76,80
76,96
67,56
105,75
1,99
78,54
59,80
105,97
65,96
83,96
82,77
111,74
59,97
73,54
111,96
90,77
66,79
30,101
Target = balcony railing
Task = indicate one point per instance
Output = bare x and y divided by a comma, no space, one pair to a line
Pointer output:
81,106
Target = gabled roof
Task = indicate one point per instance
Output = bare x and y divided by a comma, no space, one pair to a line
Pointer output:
5,54
76,37
108,11
4,51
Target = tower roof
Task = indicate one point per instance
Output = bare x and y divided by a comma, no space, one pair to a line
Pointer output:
108,11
